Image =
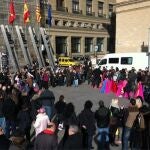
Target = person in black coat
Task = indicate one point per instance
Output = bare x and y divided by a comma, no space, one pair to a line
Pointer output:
47,140
59,108
73,141
24,121
60,105
10,114
69,118
2,118
47,100
4,142
87,124
102,116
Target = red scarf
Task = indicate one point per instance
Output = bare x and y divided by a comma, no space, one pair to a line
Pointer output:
46,131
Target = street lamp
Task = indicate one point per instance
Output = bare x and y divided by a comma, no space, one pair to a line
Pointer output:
96,49
66,49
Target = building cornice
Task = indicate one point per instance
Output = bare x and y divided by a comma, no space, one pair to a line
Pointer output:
133,9
79,17
129,2
78,31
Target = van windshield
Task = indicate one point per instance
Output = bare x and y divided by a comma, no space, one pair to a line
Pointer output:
103,62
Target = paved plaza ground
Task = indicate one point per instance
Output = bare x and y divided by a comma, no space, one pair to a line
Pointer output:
78,96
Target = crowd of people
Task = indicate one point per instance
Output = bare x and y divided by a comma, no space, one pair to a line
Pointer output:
26,102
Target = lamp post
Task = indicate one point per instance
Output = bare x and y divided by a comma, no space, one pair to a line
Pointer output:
148,49
66,49
96,49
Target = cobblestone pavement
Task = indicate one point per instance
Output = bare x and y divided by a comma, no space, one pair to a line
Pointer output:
78,95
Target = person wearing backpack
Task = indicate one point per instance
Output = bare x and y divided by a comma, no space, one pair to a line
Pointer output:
138,127
132,113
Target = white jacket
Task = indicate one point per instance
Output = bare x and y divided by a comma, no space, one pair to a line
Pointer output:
41,123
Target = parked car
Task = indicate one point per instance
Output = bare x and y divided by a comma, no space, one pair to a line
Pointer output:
67,61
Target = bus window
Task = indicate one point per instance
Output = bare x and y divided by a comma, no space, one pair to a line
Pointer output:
126,60
103,62
113,60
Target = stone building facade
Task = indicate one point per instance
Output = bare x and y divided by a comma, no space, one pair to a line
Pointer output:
132,25
79,27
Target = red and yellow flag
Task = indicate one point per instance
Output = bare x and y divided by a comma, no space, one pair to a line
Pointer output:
26,13
12,14
38,15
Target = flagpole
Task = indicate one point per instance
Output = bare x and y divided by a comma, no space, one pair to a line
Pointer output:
49,19
12,17
38,26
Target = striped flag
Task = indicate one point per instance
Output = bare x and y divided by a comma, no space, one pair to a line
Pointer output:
12,14
38,15
26,13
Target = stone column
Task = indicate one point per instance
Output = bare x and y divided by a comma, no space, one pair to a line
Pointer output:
105,45
68,46
83,45
94,41
82,6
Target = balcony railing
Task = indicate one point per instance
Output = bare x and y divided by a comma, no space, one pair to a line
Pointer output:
77,11
64,9
101,15
89,13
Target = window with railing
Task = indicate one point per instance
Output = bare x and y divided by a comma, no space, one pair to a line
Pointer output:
60,5
100,8
100,44
88,45
111,9
75,45
75,6
89,7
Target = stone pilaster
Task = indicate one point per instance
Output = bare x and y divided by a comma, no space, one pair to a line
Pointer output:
83,45
68,46
53,4
106,8
68,5
95,7
105,45
82,6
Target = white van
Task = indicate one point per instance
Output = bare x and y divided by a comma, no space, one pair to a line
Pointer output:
124,60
